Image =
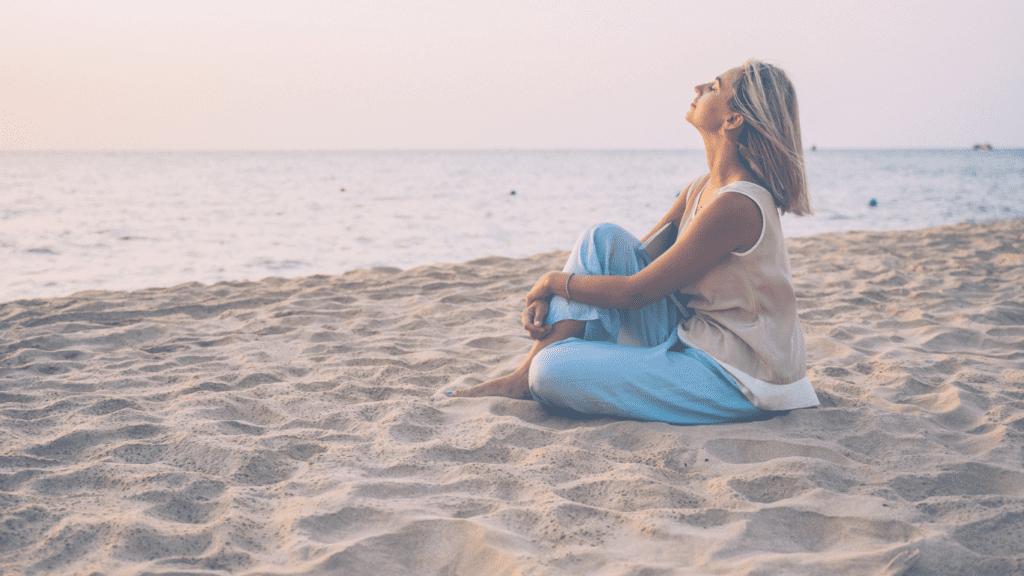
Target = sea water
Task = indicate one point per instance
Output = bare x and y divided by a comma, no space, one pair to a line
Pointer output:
73,221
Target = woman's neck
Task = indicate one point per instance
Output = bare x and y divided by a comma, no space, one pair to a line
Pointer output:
724,161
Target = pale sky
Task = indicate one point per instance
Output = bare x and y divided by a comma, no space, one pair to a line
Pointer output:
481,74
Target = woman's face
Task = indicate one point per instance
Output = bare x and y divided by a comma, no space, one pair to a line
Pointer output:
710,109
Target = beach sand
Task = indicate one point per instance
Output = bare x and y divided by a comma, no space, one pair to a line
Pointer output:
300,427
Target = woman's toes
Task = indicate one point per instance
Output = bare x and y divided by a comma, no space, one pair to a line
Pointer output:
511,386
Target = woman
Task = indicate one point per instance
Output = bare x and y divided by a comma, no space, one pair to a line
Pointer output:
736,352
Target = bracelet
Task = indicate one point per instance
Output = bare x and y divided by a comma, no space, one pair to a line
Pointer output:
568,295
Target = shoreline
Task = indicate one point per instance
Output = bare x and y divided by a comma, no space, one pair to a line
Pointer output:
790,242
293,426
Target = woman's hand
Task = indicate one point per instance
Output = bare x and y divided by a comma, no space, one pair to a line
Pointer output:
533,319
541,290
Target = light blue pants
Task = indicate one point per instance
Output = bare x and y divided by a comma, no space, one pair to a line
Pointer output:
657,378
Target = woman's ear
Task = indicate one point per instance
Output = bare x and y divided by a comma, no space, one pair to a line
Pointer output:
734,121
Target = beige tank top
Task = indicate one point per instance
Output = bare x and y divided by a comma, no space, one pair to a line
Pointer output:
745,311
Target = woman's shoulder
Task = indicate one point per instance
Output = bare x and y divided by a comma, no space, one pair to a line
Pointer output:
743,185
755,191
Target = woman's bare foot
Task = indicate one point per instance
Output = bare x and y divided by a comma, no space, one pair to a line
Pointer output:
515,385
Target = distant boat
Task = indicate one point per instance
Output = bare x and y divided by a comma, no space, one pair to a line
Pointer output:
813,147
985,146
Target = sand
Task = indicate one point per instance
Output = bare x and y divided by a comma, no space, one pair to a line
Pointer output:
299,427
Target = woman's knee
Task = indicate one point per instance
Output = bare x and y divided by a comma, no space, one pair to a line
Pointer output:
608,234
609,246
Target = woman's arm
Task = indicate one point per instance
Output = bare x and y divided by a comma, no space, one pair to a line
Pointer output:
726,223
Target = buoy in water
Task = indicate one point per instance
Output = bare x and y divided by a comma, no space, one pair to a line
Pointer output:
512,193
873,203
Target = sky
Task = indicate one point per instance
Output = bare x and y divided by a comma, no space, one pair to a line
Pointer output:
483,74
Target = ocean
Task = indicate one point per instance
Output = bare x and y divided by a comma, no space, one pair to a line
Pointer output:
72,221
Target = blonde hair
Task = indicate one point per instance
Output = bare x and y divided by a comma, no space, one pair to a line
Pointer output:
770,143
